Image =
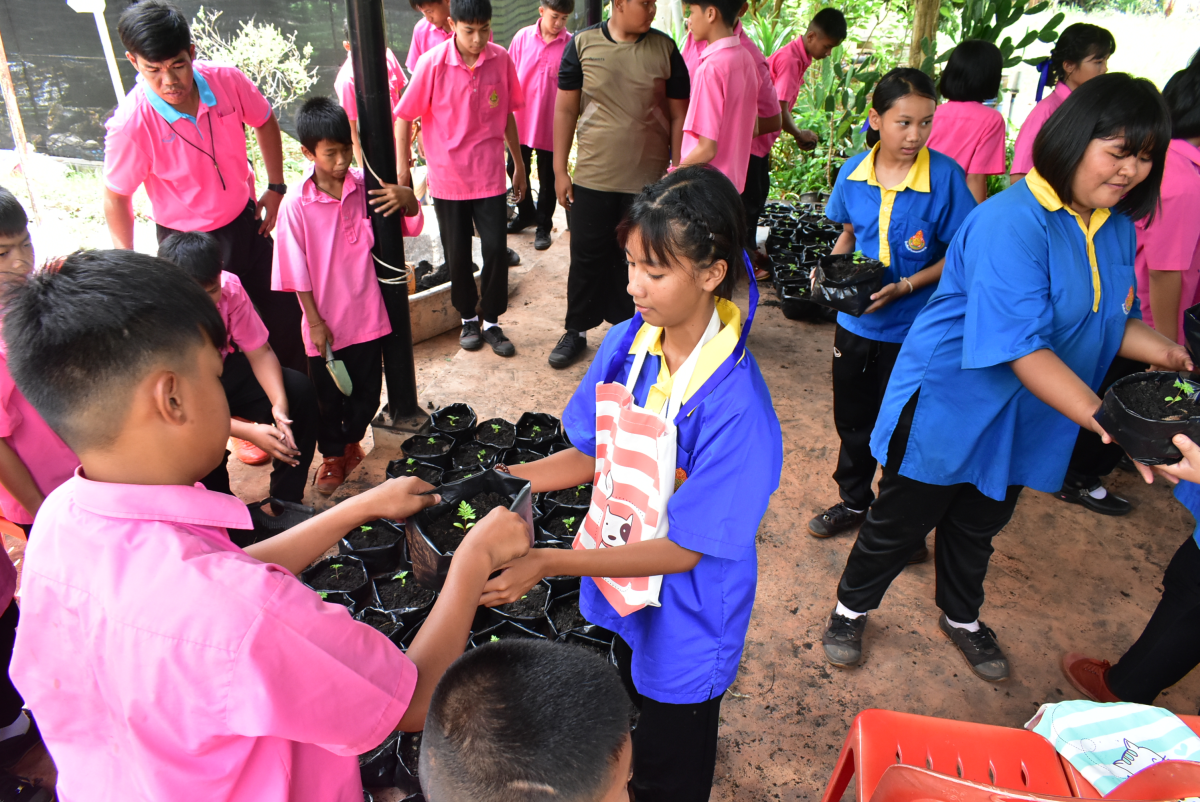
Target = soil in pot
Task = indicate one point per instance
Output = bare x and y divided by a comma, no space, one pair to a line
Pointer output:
1160,401
563,524
472,454
453,419
565,615
401,592
520,456
338,576
387,747
599,647
373,535
413,467
579,496
449,477
536,427
410,751
496,432
848,267
448,529
531,605
431,446
378,619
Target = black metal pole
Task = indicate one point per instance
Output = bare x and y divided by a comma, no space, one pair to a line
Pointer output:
594,8
368,47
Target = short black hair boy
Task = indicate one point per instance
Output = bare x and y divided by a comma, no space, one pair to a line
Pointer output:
13,220
526,721
728,9
471,12
156,30
417,4
321,118
831,22
973,72
197,253
560,6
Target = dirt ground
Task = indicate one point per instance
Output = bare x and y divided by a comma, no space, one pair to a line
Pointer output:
1062,578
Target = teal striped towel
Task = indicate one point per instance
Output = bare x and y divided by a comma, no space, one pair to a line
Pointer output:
1109,743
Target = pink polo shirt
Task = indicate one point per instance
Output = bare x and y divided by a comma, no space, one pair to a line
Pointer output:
971,134
323,246
1172,240
463,112
768,100
343,85
425,38
537,72
1023,148
195,171
243,326
788,65
163,662
724,107
50,461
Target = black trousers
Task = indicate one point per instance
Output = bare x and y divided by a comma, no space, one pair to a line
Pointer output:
598,279
861,369
543,212
1169,647
906,511
674,746
1092,458
10,699
754,196
456,221
344,418
248,400
248,256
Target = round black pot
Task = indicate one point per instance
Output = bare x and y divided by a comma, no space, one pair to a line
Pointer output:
569,601
850,295
541,440
1145,440
503,631
546,534
450,477
444,444
456,421
371,617
409,614
561,498
474,454
593,638
500,433
520,456
363,593
377,559
408,756
562,585
411,466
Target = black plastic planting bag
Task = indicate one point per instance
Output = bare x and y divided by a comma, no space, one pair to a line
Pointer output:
286,515
1145,440
1191,330
846,283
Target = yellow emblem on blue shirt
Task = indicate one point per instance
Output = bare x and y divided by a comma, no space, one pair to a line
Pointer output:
1129,301
916,243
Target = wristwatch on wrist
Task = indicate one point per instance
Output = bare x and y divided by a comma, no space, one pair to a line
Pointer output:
280,188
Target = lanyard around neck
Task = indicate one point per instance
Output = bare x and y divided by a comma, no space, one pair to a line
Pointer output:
212,141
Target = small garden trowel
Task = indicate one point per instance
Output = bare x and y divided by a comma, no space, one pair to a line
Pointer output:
337,369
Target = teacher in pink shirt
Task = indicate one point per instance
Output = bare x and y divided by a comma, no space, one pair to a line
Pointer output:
963,128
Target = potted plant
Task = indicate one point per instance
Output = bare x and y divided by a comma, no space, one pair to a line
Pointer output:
455,420
1144,411
377,543
521,456
378,767
846,281
400,594
411,466
433,448
537,431
578,497
408,761
340,574
563,614
283,516
529,610
561,524
458,474
505,630
382,620
473,454
497,432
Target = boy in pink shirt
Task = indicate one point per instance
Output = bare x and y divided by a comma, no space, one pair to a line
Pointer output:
273,407
162,661
323,254
343,89
465,91
537,52
789,63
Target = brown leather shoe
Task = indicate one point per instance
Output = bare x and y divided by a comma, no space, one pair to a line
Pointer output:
330,475
1089,676
353,455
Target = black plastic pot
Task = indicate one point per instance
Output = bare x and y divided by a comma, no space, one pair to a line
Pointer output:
363,593
520,456
546,532
429,564
505,630
408,756
1145,440
850,295
1191,330
498,432
580,500
539,441
433,440
795,301
287,514
562,585
407,613
378,766
449,477
534,621
593,638
411,466
567,603
377,559
474,453
456,421
382,620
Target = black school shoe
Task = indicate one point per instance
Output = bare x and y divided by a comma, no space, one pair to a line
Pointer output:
569,347
19,789
470,340
518,224
1111,504
842,640
541,240
835,520
514,258
501,345
979,649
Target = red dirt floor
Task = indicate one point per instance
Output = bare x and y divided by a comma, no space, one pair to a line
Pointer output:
1061,579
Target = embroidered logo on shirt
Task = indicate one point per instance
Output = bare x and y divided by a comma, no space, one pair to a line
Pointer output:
916,243
1129,301
680,477
493,99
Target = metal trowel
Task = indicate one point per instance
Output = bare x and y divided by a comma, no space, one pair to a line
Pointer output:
337,369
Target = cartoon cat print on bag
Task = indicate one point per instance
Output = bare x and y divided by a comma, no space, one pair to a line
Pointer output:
615,530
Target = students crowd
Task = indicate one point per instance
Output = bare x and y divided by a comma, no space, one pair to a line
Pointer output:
161,661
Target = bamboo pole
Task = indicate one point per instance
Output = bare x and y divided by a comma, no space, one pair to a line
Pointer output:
18,128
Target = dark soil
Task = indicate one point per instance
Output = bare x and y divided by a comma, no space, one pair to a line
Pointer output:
346,576
410,752
523,456
461,473
496,432
845,269
530,605
535,430
428,447
555,524
379,621
402,594
592,646
373,535
385,747
566,617
446,536
469,457
426,473
573,496
453,418
1149,399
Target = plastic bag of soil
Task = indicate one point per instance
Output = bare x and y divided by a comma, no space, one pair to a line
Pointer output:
410,466
378,543
378,767
845,282
1142,412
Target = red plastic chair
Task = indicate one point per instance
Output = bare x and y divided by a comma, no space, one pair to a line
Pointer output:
1001,757
1167,780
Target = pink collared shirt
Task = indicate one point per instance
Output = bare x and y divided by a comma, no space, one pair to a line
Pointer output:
1172,240
425,38
188,192
243,327
788,65
343,85
49,460
1023,148
323,246
537,71
163,662
971,134
724,107
768,99
463,112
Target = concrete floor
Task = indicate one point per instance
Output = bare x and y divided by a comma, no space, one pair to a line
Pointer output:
1062,578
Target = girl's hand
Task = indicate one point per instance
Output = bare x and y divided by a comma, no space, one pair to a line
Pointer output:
1187,468
515,579
887,294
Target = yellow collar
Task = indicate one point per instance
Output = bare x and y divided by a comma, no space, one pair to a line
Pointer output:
917,178
712,355
1048,198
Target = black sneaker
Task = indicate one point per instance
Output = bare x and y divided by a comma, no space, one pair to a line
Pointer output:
541,240
494,336
1109,505
19,789
569,347
518,224
835,520
514,258
470,340
979,649
842,640
13,749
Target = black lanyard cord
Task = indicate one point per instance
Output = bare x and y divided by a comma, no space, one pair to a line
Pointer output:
211,156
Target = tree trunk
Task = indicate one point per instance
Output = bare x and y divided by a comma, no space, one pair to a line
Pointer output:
925,21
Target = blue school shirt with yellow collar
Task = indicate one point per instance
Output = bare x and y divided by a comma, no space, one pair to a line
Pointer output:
919,217
1188,494
731,448
1021,276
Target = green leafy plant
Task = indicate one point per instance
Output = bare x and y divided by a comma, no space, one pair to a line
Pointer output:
988,20
336,568
324,596
366,528
1186,390
452,419
768,31
410,461
537,429
569,522
581,487
431,440
466,514
494,639
403,577
496,428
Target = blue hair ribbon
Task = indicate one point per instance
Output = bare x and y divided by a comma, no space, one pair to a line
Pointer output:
866,125
1044,71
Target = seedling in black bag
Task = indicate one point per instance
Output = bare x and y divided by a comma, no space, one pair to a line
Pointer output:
402,577
496,428
1185,390
467,515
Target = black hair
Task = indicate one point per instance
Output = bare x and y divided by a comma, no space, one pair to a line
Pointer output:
973,72
345,30
693,213
416,4
1111,105
13,220
156,30
560,6
198,253
525,721
1182,94
1076,44
898,83
320,118
82,336
728,9
471,12
830,22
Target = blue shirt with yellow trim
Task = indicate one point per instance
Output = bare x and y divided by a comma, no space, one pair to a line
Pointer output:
1018,279
1188,494
731,448
919,216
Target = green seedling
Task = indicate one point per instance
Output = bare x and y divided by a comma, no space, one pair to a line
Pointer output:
494,639
581,487
481,454
569,522
410,461
324,596
366,528
431,440
336,568
537,429
1186,390
496,428
467,513
453,419
403,577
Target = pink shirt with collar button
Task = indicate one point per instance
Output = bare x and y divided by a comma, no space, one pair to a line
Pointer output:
464,111
243,327
970,133
425,38
724,107
163,662
537,71
176,161
323,246
343,85
788,65
1022,161
1172,240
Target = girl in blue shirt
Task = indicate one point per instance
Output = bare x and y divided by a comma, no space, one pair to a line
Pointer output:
1001,367
684,240
900,203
